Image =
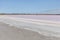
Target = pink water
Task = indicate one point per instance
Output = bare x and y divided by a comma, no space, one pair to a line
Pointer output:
39,17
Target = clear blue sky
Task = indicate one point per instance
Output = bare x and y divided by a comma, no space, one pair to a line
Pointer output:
28,6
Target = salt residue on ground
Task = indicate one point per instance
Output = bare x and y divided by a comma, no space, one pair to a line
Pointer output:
12,33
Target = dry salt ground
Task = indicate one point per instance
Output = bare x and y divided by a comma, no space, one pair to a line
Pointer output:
12,32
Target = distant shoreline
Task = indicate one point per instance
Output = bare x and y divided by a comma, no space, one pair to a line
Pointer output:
28,14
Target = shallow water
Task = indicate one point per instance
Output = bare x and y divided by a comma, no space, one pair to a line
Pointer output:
39,17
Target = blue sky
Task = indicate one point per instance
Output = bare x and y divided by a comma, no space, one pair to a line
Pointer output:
28,6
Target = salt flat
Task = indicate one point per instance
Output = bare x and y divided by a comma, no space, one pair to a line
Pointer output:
12,33
10,28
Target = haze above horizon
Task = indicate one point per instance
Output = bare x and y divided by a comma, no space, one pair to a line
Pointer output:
30,6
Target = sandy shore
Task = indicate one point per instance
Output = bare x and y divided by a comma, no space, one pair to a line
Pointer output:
12,33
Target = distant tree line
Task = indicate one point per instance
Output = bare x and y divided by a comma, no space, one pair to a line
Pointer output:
26,14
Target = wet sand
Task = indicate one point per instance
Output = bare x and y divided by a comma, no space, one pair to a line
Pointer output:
12,33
